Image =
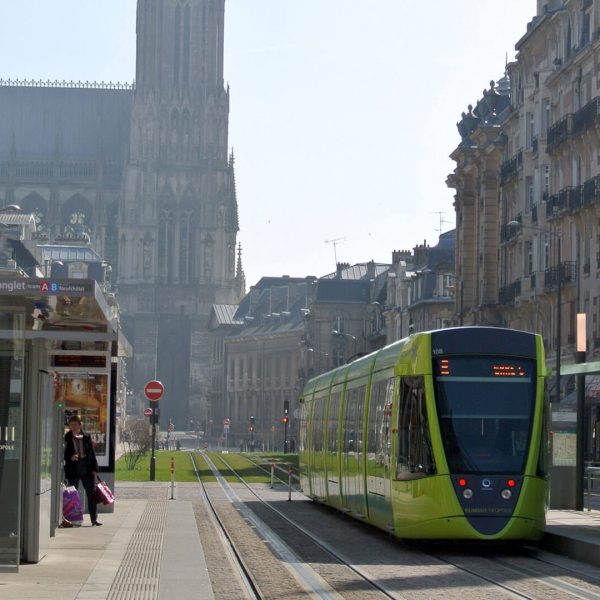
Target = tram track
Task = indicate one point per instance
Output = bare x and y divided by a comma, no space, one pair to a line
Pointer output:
234,556
320,544
548,585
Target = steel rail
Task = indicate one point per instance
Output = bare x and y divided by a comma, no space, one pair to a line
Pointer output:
237,559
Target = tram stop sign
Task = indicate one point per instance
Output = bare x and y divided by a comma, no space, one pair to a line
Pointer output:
154,390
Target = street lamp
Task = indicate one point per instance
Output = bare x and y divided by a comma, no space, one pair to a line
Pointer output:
337,333
518,225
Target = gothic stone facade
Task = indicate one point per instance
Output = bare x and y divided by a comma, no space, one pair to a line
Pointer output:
144,171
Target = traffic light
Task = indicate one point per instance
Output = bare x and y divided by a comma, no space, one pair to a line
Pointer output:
286,407
251,429
285,419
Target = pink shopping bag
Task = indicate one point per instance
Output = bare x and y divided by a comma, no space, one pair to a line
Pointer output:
103,493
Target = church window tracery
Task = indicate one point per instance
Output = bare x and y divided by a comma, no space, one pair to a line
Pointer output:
36,205
77,216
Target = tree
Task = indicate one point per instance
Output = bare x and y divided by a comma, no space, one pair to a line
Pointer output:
137,441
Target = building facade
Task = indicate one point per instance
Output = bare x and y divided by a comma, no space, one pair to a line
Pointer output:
528,189
144,171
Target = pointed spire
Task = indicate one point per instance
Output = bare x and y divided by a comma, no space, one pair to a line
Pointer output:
240,276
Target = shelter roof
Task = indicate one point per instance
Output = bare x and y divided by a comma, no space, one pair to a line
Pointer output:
69,253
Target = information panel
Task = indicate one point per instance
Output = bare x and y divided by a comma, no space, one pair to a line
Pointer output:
88,396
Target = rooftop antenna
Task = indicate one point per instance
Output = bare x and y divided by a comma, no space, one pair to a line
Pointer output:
335,243
443,221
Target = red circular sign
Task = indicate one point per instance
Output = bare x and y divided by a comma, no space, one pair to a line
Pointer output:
226,422
148,412
154,390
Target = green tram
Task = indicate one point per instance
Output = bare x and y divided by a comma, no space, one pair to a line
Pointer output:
441,435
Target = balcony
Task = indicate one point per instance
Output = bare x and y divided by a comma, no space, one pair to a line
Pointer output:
573,124
569,272
508,294
591,191
510,168
559,133
573,197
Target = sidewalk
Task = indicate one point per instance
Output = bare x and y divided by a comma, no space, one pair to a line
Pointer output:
574,534
148,548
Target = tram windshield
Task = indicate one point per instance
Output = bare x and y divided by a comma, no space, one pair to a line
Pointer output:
485,407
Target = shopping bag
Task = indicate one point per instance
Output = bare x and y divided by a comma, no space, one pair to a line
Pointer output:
72,510
103,493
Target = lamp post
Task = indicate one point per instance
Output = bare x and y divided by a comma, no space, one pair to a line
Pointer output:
559,278
337,333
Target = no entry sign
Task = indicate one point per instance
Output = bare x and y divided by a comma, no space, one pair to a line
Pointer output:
154,390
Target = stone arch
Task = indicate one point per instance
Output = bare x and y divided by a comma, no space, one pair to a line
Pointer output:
77,216
36,205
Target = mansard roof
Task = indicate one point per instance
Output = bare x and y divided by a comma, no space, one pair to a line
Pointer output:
38,122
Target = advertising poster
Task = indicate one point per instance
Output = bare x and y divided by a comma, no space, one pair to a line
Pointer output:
87,395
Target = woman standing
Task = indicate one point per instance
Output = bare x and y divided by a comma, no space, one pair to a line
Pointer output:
81,464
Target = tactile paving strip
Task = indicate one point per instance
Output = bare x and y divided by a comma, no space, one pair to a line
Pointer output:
138,575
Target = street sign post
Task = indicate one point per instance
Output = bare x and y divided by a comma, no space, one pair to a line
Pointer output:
154,391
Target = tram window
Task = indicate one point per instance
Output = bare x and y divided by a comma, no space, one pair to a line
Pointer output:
414,445
318,423
378,430
353,419
333,421
485,406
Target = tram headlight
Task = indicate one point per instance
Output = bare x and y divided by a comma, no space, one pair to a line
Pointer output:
467,494
506,494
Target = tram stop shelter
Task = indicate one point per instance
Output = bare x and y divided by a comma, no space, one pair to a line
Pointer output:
60,344
569,472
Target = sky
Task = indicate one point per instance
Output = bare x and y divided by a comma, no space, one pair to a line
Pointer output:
343,112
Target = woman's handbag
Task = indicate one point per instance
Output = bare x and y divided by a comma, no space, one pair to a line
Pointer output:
103,493
72,510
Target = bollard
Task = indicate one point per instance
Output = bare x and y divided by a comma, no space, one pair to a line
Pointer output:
289,483
272,473
172,478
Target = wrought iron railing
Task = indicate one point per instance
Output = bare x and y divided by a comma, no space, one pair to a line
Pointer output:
559,133
510,168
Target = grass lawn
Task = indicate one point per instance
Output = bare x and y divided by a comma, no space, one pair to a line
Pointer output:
184,470
251,473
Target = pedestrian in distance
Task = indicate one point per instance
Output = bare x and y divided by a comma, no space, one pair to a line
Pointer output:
81,464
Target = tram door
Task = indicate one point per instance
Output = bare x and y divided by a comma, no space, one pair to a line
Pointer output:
353,489
379,451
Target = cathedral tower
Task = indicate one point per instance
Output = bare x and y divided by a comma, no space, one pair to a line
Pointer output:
178,212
